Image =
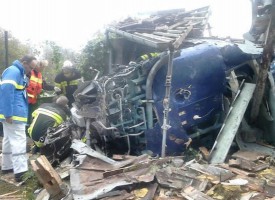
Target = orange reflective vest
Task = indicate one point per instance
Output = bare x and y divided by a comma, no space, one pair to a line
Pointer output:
35,86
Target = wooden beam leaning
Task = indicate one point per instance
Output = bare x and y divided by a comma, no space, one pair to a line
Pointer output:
182,37
49,178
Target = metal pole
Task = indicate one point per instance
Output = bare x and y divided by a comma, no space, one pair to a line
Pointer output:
166,101
87,134
6,49
110,53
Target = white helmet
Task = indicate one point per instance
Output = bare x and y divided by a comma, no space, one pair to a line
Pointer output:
67,65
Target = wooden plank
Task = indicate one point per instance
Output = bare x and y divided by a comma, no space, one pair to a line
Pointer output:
9,193
231,125
48,177
249,155
191,193
154,37
260,167
166,34
238,171
177,25
182,37
243,164
175,31
194,18
205,153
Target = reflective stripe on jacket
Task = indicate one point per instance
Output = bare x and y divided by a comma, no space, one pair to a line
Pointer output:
47,115
147,56
13,94
68,85
35,86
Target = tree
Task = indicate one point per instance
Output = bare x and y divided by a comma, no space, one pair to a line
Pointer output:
15,49
95,55
56,55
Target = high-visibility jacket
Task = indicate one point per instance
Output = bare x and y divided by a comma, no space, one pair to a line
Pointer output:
13,96
147,56
35,86
68,85
47,115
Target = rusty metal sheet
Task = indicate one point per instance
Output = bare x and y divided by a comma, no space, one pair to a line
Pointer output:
249,155
90,163
117,195
220,173
89,185
85,149
169,177
243,164
166,179
152,188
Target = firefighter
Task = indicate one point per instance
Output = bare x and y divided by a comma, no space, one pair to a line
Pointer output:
35,86
68,80
147,56
47,115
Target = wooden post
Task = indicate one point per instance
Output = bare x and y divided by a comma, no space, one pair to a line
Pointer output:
49,178
266,60
6,49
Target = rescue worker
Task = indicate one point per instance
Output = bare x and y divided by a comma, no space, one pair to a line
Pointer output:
36,84
147,56
68,80
13,115
47,115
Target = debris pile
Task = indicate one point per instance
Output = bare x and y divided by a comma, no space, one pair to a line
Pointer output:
247,175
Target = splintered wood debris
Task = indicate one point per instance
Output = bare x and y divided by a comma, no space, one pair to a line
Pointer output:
165,28
144,177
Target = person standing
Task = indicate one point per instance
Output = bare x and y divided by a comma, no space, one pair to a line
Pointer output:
67,81
13,115
36,84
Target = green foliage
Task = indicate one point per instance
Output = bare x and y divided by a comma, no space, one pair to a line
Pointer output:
31,184
15,49
95,55
56,56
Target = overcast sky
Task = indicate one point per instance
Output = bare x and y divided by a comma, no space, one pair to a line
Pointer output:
71,23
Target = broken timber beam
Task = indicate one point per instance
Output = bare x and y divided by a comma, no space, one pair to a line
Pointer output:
182,37
266,60
49,178
231,125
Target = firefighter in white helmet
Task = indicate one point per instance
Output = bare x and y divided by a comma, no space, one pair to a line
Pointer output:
68,80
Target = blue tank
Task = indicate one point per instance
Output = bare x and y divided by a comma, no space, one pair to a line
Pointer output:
197,89
129,103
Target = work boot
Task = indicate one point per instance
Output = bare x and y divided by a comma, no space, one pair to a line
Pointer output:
35,149
7,171
19,176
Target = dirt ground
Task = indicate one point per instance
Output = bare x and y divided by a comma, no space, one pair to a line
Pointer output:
9,189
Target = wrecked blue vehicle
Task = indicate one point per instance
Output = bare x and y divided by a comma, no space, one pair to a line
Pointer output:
129,103
168,87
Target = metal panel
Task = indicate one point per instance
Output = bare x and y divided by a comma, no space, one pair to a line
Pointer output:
230,128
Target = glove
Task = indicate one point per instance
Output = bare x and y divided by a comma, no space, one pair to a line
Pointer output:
57,89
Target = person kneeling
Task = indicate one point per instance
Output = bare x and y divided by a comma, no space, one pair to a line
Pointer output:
47,115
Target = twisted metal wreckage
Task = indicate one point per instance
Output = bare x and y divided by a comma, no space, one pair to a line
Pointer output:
191,90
